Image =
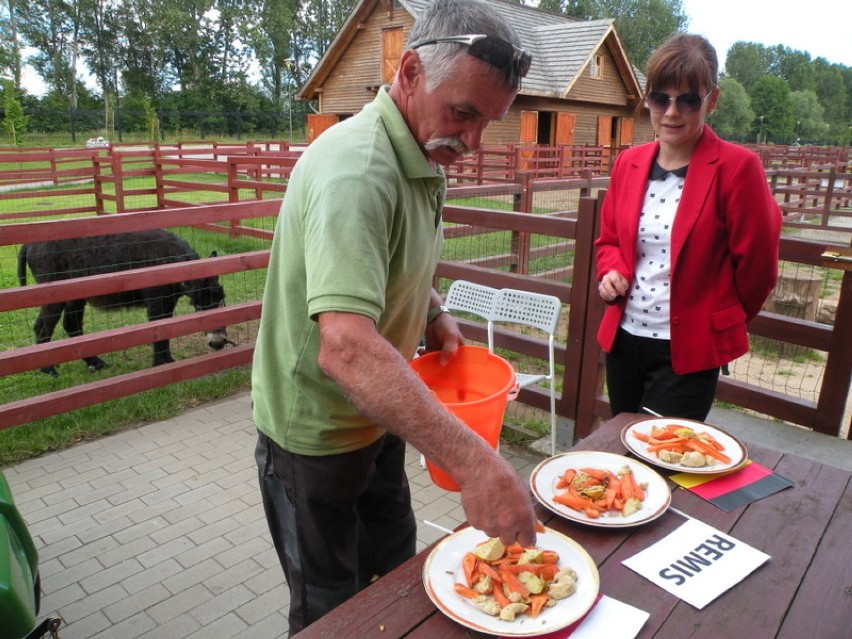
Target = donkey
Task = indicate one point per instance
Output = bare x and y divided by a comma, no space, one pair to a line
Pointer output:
66,259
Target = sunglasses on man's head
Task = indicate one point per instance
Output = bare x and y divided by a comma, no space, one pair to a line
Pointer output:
512,60
687,103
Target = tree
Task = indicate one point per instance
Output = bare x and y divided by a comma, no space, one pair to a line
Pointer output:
747,62
642,25
733,115
770,100
808,113
10,51
50,27
795,67
14,121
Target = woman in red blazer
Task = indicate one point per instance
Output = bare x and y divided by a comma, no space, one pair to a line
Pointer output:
688,249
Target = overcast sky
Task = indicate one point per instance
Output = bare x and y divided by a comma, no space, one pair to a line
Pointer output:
820,27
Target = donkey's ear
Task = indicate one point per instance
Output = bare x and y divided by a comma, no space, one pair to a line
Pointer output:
214,254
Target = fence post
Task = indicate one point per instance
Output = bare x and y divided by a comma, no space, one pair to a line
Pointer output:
838,368
591,371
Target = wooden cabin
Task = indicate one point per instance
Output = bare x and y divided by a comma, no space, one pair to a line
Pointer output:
581,88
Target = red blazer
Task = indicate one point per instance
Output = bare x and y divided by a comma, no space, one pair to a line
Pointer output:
724,248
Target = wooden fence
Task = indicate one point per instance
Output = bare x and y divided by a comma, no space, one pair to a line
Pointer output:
566,233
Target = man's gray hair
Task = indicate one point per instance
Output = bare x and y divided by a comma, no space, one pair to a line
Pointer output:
445,18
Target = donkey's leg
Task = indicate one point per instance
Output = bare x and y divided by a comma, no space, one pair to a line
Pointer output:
45,324
161,307
72,321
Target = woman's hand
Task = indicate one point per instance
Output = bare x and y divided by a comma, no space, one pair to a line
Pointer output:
612,286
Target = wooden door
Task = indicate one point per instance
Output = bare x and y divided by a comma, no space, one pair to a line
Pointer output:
391,53
605,140
565,123
625,137
528,140
319,122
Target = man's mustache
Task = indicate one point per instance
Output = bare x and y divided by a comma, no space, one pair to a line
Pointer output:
454,143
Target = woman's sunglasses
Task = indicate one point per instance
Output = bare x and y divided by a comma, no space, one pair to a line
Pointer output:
513,61
687,103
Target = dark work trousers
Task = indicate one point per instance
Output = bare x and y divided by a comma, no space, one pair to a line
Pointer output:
639,375
337,521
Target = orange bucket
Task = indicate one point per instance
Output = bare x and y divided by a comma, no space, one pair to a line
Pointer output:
473,386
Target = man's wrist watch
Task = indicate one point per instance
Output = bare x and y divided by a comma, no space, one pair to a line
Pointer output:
435,311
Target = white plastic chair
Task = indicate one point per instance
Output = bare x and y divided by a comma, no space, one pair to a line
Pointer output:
513,306
539,311
472,298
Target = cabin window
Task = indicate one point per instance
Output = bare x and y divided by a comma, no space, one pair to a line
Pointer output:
596,67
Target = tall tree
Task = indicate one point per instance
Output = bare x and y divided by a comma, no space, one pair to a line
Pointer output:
770,100
733,116
808,113
50,27
747,62
10,51
642,25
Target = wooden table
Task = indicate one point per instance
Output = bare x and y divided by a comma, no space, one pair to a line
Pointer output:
804,590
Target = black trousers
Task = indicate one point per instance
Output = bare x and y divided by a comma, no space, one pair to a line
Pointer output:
639,375
338,522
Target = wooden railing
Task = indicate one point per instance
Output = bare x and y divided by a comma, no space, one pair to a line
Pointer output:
561,232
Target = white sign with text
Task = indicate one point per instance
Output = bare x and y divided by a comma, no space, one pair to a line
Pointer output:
696,562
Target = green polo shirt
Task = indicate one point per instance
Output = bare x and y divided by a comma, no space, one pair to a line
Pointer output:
359,232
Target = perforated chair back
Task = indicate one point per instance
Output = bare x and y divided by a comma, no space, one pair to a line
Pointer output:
471,298
539,311
524,307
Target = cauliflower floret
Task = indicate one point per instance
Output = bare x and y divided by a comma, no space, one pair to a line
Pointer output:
670,457
693,459
508,612
483,584
562,589
565,573
564,584
488,605
514,597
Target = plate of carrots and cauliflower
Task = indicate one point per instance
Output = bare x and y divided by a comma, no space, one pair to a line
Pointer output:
600,489
684,445
511,591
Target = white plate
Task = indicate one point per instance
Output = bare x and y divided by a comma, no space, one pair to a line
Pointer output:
443,569
545,476
733,447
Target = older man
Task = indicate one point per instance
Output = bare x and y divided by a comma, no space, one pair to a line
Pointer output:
347,300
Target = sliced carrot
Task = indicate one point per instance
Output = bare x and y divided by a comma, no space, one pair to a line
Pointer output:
667,444
464,591
537,602
539,527
570,500
627,486
486,569
500,596
547,571
514,548
517,569
592,512
566,478
514,584
598,474
707,449
642,437
549,557
469,568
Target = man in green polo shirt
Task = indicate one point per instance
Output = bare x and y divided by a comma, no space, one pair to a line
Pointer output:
348,299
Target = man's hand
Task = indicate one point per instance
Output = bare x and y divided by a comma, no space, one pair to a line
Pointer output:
443,334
